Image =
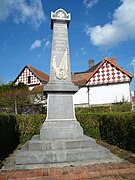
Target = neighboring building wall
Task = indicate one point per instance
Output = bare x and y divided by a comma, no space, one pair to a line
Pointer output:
81,96
103,94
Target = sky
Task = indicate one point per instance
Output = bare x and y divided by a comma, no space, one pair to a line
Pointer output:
98,29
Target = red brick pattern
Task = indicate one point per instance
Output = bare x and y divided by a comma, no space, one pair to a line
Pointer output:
110,171
108,73
23,78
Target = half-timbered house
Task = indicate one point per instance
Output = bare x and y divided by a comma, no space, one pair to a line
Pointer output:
103,83
32,77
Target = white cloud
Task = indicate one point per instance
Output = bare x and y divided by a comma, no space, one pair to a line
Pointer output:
22,12
120,29
83,50
47,43
40,44
36,44
90,3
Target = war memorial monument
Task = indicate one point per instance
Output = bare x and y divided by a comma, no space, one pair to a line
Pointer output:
61,137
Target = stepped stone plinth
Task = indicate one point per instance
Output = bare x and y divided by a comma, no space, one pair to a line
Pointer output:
38,151
61,137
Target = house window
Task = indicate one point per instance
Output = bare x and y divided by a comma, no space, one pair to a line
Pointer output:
29,79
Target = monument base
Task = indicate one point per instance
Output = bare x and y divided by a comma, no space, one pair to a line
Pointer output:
40,152
53,148
61,137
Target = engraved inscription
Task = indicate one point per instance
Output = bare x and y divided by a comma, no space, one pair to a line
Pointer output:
59,40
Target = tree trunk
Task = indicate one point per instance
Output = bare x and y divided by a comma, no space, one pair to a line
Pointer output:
16,112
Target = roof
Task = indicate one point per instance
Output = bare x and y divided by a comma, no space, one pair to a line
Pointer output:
81,82
84,78
133,100
111,62
38,89
40,75
93,68
80,78
43,77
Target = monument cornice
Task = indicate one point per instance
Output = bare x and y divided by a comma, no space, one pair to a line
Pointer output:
60,16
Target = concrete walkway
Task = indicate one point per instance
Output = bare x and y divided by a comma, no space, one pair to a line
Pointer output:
103,171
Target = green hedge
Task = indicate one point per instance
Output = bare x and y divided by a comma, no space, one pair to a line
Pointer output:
119,129
114,128
124,107
89,123
29,125
15,129
9,135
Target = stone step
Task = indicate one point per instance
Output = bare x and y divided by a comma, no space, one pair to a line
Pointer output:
37,144
24,156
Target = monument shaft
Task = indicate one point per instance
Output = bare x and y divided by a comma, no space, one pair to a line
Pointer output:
60,75
60,64
60,67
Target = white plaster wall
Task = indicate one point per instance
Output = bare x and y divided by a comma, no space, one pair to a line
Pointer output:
81,96
103,94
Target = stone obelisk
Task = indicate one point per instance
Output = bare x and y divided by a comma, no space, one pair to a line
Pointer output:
60,122
61,137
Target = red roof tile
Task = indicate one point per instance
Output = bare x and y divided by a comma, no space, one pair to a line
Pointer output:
79,79
133,98
38,89
40,75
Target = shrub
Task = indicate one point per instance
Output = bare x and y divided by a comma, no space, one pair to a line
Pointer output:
29,125
121,107
9,135
114,128
93,109
89,123
17,128
124,107
119,129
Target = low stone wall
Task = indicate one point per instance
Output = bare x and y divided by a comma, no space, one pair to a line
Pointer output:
25,109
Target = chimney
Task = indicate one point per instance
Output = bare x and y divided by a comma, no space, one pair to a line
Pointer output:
113,60
91,63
